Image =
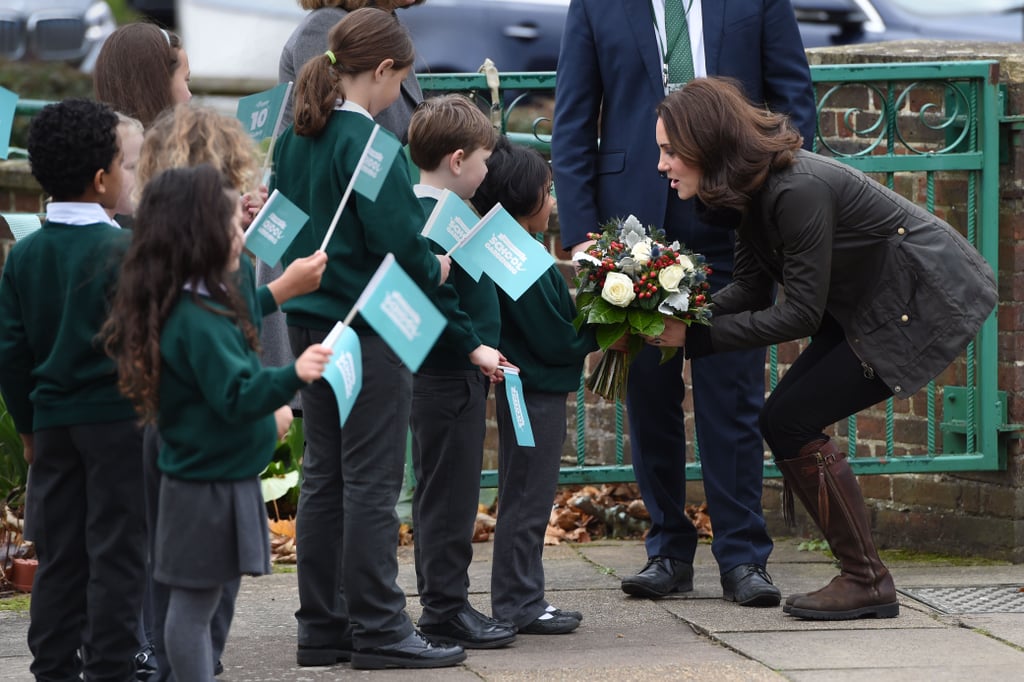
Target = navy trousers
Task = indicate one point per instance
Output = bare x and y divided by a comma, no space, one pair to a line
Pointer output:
728,394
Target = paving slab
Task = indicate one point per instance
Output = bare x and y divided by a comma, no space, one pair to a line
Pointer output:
893,647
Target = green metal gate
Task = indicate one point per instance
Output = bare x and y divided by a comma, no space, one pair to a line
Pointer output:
910,125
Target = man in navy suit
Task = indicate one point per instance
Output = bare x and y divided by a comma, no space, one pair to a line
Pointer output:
612,71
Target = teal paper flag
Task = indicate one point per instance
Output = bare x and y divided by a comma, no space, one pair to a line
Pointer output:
8,104
21,224
344,372
402,314
517,407
274,228
380,152
507,253
450,223
261,113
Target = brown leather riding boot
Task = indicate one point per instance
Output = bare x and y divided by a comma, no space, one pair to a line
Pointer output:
824,482
789,489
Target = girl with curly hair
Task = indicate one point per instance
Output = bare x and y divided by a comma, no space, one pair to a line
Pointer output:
185,348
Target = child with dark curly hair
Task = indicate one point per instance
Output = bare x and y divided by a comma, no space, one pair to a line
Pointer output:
81,435
185,345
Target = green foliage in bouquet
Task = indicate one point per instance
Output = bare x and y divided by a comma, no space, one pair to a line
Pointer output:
627,282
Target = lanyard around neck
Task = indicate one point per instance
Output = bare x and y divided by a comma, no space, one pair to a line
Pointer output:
658,16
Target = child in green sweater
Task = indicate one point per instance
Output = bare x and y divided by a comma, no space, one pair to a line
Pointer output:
80,434
185,345
550,364
350,605
450,140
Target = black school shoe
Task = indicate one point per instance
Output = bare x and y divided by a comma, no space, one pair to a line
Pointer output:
470,629
323,655
556,624
412,652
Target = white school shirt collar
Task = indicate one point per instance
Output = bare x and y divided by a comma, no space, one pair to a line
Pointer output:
349,105
427,192
200,288
694,26
78,213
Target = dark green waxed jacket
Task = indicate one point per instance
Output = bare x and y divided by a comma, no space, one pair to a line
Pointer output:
909,291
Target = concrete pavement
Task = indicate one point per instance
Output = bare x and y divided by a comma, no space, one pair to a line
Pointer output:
693,637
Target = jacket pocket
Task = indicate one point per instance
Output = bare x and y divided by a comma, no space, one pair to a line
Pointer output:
910,309
610,162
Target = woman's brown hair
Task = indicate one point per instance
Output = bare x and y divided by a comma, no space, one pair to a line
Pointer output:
134,70
359,42
711,125
352,5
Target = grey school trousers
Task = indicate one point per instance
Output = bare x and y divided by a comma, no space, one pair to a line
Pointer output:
527,479
346,525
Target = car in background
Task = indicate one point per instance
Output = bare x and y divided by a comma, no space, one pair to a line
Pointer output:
842,22
524,35
70,31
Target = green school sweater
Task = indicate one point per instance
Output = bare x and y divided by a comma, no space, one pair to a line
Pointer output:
54,297
537,334
313,173
471,309
217,401
259,301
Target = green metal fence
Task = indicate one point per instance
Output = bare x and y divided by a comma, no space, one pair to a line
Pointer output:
927,120
917,120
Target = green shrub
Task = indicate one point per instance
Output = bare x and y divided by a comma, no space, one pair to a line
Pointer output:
13,467
48,81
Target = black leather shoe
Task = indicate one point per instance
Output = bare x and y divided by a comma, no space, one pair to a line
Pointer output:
557,624
412,652
323,655
750,585
559,612
662,575
471,630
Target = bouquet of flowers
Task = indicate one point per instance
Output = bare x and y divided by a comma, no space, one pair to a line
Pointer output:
627,282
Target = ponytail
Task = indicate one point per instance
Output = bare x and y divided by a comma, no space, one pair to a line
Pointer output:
359,42
318,87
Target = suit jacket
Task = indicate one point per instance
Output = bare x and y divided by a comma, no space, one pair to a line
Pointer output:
909,291
309,39
610,67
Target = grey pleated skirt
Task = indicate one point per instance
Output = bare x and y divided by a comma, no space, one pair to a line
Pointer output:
209,532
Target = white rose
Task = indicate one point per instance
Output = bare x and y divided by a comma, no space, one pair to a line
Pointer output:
670,277
642,251
685,262
618,289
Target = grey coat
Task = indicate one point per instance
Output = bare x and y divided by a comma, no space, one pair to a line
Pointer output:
909,291
309,39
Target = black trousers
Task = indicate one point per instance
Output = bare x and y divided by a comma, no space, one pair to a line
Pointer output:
90,535
826,383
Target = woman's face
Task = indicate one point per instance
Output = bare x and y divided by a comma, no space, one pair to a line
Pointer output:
180,94
684,178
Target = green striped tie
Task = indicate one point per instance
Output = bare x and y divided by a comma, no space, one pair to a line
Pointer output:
680,57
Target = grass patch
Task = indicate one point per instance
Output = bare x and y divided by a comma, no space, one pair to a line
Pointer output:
911,556
284,568
17,603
